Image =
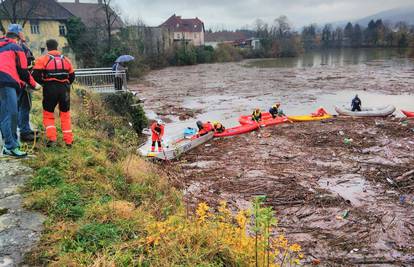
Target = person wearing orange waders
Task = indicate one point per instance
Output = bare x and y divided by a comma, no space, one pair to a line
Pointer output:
157,130
55,72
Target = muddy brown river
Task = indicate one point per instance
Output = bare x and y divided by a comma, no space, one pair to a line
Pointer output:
346,203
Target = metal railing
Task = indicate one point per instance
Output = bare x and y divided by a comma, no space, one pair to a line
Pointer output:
102,80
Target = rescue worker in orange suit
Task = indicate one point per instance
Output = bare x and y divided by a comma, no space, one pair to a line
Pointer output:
157,130
55,72
204,128
320,113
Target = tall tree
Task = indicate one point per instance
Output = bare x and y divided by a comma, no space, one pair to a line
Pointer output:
262,29
348,33
327,36
370,36
357,36
309,37
379,33
111,16
281,27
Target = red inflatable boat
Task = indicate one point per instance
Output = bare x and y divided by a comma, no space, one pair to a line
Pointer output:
242,129
267,120
409,114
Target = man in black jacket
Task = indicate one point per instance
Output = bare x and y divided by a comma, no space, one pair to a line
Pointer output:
356,104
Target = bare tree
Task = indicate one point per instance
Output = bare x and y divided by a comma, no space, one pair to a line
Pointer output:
262,28
281,27
18,11
111,16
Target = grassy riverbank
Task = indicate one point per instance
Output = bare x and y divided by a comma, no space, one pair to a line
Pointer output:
108,207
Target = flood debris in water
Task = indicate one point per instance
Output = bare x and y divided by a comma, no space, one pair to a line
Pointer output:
346,203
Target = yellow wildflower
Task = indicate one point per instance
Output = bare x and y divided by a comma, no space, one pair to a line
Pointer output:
295,248
202,212
241,219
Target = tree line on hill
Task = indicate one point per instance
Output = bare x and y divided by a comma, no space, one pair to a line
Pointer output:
278,39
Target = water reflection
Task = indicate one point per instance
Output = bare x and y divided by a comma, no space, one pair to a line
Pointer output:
335,58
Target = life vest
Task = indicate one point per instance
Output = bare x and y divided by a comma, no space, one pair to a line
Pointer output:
256,115
57,69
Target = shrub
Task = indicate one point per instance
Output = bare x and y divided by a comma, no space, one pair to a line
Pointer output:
126,105
184,55
227,53
205,54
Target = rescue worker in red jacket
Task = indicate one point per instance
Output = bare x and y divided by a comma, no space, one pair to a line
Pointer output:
13,76
204,128
157,130
55,72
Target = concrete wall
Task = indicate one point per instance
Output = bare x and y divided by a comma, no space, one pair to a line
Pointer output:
196,38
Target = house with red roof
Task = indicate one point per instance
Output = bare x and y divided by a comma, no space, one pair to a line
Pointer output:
189,31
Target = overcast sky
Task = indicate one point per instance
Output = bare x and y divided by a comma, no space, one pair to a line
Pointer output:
232,14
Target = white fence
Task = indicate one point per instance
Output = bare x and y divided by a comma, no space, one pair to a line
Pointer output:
102,80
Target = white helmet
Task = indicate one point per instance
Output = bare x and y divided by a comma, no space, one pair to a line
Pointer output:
160,122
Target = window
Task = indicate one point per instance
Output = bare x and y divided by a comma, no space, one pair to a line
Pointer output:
62,30
34,27
178,25
42,50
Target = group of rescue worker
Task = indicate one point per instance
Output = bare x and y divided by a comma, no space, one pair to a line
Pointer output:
20,74
274,110
157,128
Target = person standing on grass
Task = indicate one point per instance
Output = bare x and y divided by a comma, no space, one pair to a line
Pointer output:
13,77
55,72
25,98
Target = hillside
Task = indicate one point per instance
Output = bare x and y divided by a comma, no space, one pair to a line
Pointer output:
394,15
405,14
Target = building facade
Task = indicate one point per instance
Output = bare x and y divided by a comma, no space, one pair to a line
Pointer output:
46,20
189,31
